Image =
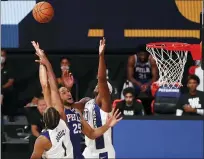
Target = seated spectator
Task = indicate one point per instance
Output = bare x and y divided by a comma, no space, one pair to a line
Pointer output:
191,103
33,102
197,70
142,71
7,91
36,121
126,85
65,65
130,106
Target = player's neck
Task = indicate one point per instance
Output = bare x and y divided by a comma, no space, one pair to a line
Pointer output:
67,106
192,92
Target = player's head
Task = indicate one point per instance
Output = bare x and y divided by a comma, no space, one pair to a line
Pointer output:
51,118
142,53
3,56
66,96
129,94
193,82
65,63
109,87
41,105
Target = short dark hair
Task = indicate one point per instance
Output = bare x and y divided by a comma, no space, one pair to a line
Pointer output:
41,97
62,58
141,48
51,118
129,90
193,77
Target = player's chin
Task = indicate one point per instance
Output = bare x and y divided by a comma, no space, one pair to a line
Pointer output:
70,101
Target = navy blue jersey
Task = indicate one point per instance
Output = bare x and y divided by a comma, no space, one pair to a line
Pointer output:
142,70
74,124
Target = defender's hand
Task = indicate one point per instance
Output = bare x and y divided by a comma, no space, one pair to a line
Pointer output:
102,46
114,119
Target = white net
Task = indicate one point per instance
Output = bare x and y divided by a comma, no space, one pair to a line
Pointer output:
170,65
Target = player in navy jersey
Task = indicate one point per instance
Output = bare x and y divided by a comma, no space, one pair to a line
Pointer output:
75,120
142,70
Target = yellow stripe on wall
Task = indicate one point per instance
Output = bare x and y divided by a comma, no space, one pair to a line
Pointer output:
161,33
95,33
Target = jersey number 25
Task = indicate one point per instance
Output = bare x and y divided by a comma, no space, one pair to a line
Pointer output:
77,128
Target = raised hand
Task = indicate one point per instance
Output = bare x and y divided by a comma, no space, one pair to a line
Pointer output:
40,53
67,79
37,48
114,119
102,46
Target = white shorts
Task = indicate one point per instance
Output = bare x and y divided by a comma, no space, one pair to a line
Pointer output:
99,154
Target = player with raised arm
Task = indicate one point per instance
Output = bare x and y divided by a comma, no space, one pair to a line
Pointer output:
54,141
75,120
96,111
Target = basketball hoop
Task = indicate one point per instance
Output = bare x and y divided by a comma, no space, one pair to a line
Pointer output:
171,58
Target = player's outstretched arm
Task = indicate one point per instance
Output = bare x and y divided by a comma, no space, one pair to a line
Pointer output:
97,132
55,97
39,147
45,85
81,104
104,98
43,77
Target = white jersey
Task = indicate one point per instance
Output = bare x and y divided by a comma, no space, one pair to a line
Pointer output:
101,147
61,143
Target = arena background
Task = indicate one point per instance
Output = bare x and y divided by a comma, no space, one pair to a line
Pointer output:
75,31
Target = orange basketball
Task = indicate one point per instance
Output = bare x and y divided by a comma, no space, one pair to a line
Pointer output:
43,12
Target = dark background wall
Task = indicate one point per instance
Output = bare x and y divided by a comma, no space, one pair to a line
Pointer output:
69,28
84,67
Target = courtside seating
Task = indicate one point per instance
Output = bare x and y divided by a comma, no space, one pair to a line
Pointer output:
192,69
119,100
165,101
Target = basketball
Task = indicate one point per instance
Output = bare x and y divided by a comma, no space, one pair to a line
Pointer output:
43,12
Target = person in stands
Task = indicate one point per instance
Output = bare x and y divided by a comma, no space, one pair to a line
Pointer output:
130,106
142,71
191,103
36,122
7,90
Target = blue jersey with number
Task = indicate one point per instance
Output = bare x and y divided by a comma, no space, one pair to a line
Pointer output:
74,124
142,70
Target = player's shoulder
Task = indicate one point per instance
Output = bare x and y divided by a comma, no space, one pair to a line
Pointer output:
90,103
200,93
132,59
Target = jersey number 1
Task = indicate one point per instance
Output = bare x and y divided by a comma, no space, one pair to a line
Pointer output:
65,149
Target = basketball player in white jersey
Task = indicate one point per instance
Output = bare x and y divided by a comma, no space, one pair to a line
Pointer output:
54,141
73,114
96,112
